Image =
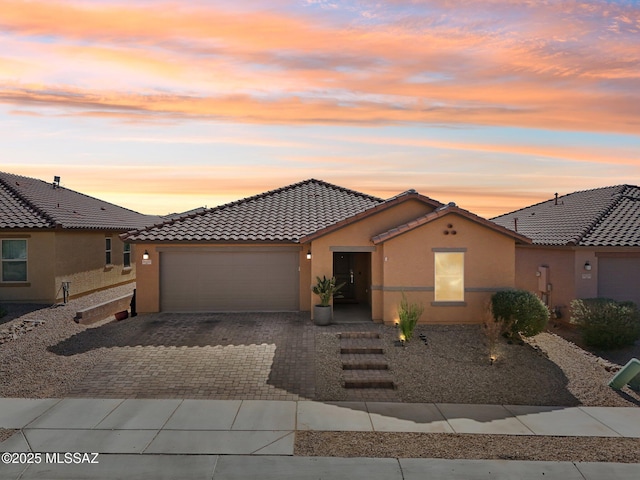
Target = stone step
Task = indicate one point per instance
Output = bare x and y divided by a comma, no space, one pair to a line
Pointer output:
364,362
368,379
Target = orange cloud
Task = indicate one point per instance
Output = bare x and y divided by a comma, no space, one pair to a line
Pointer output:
272,66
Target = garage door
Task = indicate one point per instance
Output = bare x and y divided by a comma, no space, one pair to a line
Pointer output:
619,278
229,281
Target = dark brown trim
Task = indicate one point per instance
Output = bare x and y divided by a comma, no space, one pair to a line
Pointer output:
17,236
15,284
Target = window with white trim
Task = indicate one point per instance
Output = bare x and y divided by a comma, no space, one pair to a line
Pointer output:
107,251
449,277
14,260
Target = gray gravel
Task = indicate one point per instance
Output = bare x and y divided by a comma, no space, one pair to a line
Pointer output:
454,367
27,368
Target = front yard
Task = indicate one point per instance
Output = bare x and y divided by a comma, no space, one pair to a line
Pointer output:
284,356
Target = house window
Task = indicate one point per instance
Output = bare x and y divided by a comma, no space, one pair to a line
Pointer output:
127,255
14,260
449,277
107,248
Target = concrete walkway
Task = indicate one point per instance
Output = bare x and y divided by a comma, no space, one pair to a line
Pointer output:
225,439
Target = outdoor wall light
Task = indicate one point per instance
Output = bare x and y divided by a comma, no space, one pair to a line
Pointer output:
145,255
309,255
587,265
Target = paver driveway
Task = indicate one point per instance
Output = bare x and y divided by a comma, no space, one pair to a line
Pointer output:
246,356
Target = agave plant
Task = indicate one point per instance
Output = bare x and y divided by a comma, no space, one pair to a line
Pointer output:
326,288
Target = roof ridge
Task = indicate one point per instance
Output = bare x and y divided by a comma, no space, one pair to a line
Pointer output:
616,199
25,200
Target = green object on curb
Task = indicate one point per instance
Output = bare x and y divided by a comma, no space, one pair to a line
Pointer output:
624,376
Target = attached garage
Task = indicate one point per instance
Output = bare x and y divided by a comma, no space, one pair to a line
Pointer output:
619,278
229,280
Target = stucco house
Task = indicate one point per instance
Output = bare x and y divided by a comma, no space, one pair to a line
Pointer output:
263,253
585,244
51,235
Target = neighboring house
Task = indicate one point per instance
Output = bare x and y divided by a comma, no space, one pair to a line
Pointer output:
585,244
50,235
263,253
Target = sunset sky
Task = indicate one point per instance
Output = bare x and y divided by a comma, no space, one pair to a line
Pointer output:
166,106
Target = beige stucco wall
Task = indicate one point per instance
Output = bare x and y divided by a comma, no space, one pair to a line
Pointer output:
88,271
40,286
74,256
408,265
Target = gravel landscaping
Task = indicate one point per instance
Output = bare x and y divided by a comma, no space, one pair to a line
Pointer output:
448,445
56,355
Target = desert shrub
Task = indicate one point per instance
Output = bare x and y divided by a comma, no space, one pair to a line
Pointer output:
521,312
409,314
605,323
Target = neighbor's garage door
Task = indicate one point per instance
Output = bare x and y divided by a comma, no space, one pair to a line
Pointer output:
619,278
229,281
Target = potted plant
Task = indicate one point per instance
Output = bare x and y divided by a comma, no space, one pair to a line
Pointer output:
326,288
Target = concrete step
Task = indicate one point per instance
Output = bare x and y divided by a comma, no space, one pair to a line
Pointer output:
345,335
364,362
361,346
368,379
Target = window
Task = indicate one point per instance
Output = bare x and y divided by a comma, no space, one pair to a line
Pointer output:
107,247
449,277
126,261
14,260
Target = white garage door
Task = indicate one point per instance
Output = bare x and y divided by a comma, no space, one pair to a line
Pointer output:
229,281
619,278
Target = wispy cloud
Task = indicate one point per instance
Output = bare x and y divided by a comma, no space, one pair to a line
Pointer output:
562,66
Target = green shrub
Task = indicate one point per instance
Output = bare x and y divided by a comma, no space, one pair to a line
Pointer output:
2,312
521,312
409,314
605,323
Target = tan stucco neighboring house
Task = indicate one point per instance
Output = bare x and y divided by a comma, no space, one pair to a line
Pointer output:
263,253
50,235
586,244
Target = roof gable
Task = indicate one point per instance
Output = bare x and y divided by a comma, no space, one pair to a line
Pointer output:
282,215
32,203
608,216
400,198
443,211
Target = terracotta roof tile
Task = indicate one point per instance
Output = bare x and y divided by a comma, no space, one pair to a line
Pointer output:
283,215
31,203
602,217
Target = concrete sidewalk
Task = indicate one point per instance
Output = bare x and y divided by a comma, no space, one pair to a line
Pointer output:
223,439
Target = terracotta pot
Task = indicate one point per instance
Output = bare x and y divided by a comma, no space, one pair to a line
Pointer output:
122,315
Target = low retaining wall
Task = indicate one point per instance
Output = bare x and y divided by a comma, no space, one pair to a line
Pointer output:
103,310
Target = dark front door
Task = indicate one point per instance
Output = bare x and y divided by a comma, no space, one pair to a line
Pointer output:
343,265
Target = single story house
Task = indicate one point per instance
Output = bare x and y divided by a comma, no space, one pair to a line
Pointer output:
263,253
51,236
585,244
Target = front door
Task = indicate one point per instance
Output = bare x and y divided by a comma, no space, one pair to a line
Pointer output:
343,265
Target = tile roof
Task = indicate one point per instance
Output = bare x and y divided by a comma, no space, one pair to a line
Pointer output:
450,208
601,217
283,215
31,203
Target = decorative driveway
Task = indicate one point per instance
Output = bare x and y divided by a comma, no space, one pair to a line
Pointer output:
267,356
